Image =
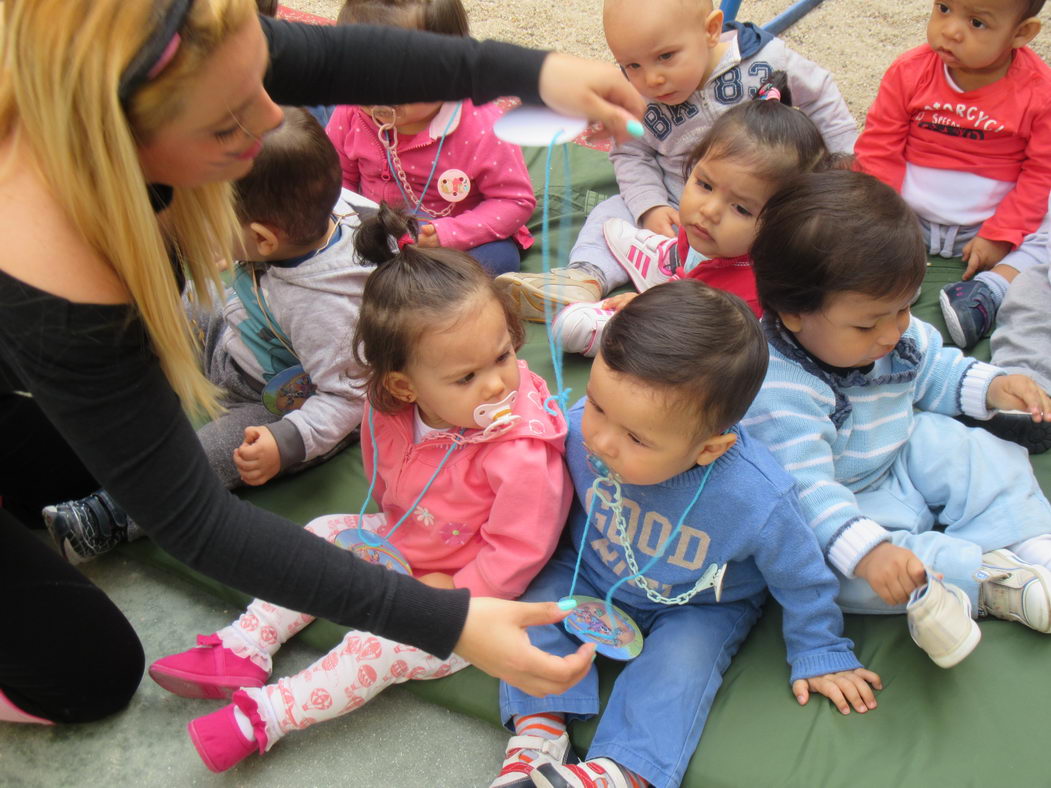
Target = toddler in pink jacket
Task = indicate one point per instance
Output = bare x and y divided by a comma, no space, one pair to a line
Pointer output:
466,464
440,160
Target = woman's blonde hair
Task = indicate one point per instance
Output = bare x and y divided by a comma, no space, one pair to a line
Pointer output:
60,65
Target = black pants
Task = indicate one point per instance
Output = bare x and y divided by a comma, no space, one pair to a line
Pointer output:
37,467
67,653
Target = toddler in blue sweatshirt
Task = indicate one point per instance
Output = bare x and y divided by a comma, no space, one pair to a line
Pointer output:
677,369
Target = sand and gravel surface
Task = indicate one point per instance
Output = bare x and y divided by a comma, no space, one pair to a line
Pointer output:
854,39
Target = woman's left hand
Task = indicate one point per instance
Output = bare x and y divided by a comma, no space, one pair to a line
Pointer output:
589,89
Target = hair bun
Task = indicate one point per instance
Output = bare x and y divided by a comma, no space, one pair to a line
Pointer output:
775,87
383,236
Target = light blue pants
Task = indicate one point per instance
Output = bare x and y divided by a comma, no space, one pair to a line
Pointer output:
953,493
660,701
591,243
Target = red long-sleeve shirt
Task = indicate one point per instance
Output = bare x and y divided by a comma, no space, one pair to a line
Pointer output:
1001,131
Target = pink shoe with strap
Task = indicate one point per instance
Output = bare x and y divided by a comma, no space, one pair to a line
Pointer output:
208,671
218,737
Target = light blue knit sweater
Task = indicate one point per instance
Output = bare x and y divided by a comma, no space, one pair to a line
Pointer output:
840,434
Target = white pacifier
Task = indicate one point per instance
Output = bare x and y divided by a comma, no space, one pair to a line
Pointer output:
496,413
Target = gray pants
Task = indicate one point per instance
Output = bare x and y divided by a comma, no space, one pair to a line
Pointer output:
1022,339
948,241
242,397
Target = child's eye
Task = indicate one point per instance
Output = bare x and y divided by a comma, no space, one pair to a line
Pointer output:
743,211
863,328
503,357
704,185
665,55
225,134
466,379
942,8
635,439
977,24
630,66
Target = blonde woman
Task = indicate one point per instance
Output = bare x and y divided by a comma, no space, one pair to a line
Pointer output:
121,124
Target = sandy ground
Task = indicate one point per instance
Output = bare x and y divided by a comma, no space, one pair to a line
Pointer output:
854,39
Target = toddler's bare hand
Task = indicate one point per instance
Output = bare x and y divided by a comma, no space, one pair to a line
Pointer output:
1019,392
893,572
981,254
258,459
618,302
661,219
428,237
845,689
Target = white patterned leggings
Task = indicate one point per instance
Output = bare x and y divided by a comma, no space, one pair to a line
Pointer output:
349,676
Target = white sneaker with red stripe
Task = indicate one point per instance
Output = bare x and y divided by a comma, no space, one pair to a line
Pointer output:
599,773
525,753
578,328
649,258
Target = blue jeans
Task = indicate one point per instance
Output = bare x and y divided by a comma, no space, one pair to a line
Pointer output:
660,702
982,489
498,257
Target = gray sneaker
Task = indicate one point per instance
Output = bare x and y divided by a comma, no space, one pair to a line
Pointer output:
1014,590
939,616
89,527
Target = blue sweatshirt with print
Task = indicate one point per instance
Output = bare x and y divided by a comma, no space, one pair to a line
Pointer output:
747,517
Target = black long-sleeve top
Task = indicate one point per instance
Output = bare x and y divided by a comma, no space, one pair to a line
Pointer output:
91,369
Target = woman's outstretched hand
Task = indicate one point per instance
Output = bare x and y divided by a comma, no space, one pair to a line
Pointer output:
494,639
596,91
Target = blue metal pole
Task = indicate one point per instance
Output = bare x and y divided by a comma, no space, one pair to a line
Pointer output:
729,9
785,20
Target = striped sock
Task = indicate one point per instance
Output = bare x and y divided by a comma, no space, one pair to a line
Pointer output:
548,743
547,726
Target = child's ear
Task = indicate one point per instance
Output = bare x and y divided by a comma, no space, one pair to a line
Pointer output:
399,385
793,322
1025,32
713,28
264,238
715,447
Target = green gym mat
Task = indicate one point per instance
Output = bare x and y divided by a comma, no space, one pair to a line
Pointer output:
977,724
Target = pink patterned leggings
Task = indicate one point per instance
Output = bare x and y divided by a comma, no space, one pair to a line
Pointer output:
349,676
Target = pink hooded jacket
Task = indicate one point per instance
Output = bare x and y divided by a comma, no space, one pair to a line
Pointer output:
482,177
493,515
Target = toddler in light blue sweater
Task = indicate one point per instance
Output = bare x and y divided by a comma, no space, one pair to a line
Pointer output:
858,404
